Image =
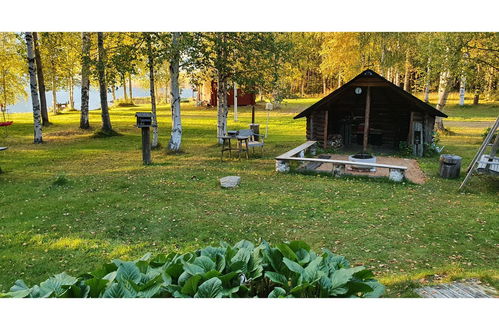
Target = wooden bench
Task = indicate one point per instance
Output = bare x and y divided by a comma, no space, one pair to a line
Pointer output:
397,173
282,161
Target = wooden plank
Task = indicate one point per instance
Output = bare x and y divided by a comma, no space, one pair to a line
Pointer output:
366,119
296,150
344,162
459,291
410,136
326,123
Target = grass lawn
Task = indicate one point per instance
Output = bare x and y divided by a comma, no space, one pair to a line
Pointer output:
76,201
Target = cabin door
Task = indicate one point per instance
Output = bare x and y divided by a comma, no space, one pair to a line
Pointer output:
417,147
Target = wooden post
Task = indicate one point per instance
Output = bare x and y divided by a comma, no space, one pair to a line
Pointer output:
235,101
326,124
252,114
146,145
410,136
366,119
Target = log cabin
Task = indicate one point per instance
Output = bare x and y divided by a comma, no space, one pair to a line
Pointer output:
371,113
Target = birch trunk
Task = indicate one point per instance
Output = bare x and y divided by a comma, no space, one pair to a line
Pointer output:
125,96
130,86
71,94
85,82
54,96
176,134
41,82
462,90
427,83
396,78
407,72
153,94
223,108
323,85
37,114
113,93
443,93
106,121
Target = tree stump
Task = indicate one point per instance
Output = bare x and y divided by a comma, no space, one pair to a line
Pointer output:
450,166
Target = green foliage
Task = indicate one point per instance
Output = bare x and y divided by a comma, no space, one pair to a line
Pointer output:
405,149
290,270
486,132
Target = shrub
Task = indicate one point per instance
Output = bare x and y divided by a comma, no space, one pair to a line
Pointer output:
486,132
243,270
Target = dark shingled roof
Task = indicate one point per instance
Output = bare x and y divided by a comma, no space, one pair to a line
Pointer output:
368,75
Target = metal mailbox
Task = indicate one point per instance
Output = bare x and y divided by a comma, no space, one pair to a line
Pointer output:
144,119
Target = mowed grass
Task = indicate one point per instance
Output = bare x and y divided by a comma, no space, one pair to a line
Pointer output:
76,201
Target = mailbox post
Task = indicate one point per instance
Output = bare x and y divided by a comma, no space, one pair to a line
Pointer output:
144,122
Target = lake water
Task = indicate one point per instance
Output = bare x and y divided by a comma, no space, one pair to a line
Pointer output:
94,98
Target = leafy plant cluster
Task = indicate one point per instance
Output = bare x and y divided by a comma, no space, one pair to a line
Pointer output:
242,270
486,132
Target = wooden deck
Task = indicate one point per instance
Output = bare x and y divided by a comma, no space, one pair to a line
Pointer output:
463,289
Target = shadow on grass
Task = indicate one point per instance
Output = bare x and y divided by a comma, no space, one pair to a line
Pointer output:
100,133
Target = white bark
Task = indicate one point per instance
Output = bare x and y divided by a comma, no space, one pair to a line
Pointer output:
235,102
407,72
223,109
176,134
37,113
85,82
462,90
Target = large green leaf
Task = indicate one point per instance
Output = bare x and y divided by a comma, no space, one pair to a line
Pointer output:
296,245
293,266
57,285
193,269
19,290
277,278
227,278
128,271
191,285
205,263
174,270
244,244
104,270
142,265
210,289
242,255
311,272
286,251
303,256
210,274
378,289
340,278
97,286
117,290
277,293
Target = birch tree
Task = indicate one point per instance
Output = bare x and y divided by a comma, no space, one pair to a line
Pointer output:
85,81
244,58
13,71
37,132
41,81
176,133
152,90
101,65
